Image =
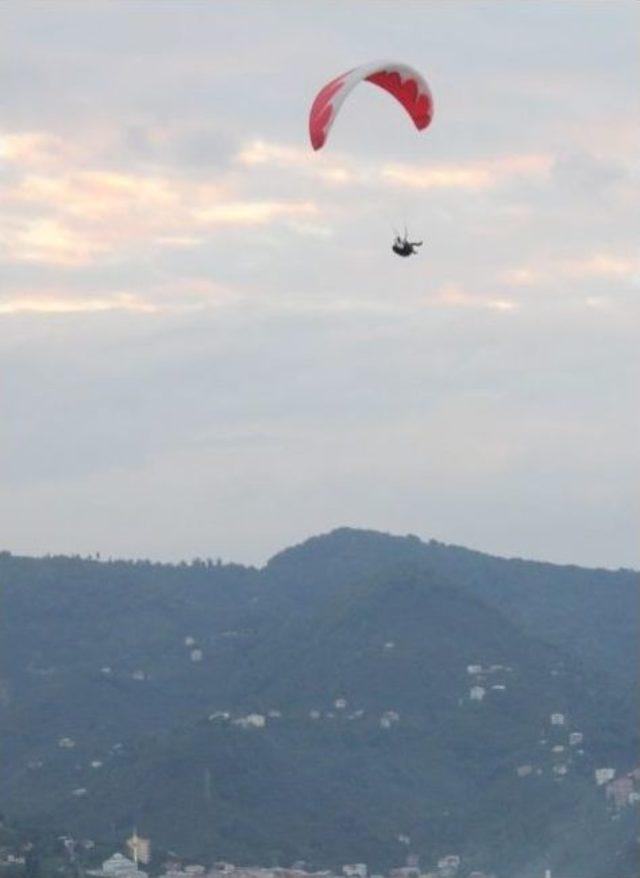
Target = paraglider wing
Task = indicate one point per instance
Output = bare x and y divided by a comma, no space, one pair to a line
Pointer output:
405,84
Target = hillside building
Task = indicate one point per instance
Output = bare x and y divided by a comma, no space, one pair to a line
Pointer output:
251,721
603,775
388,718
355,870
118,866
620,790
448,866
405,872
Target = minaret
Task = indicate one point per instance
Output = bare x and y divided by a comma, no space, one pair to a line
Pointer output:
140,848
134,839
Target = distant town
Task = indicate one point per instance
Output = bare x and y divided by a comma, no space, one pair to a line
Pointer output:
120,866
620,791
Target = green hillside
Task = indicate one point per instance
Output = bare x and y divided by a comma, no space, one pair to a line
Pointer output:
321,708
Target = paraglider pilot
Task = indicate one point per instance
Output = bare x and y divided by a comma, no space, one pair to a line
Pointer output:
404,247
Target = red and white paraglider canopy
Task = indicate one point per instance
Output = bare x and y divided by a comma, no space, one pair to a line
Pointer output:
405,84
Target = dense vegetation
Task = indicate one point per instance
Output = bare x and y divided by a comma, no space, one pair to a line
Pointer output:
357,644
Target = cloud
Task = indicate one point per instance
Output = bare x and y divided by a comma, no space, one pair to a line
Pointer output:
337,170
60,215
519,276
473,176
600,303
596,267
179,241
35,149
95,194
84,305
261,152
453,296
166,296
252,213
601,265
48,241
342,169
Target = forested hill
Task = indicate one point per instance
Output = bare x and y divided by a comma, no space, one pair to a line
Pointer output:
593,613
359,689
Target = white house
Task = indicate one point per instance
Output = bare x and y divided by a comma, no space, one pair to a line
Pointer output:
451,861
557,719
388,718
118,866
477,693
604,775
253,720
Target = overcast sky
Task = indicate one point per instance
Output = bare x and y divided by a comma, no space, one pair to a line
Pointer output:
206,344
